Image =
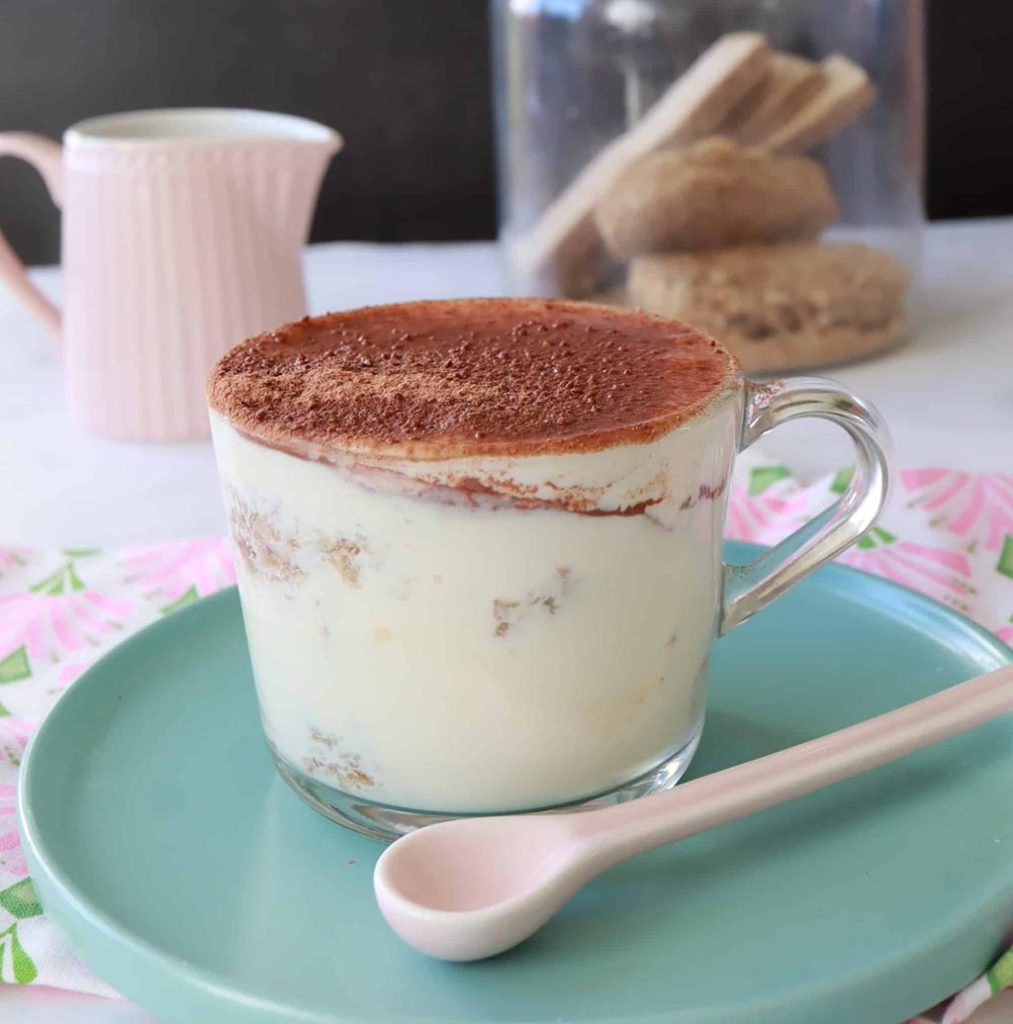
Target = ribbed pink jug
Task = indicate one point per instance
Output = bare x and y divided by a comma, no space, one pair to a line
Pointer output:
182,235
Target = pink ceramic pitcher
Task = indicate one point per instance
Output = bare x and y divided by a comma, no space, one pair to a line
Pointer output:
182,233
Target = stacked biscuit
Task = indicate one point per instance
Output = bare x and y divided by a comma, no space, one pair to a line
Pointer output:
716,212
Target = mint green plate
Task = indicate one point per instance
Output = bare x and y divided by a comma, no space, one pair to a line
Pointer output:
187,875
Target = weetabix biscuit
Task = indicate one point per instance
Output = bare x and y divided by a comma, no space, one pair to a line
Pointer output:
798,304
713,195
789,83
846,92
563,245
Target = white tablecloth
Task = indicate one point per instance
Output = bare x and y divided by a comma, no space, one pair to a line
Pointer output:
948,397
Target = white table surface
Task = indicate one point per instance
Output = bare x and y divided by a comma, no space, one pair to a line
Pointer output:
948,397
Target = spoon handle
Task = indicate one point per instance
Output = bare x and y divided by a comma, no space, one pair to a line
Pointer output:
615,833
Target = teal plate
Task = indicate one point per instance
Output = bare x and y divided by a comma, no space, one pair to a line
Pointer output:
187,875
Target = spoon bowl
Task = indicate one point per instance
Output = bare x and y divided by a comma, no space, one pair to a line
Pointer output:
474,887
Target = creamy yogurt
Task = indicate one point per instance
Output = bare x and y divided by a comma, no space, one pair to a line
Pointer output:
483,633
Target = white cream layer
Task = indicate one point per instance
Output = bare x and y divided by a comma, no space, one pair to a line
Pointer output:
440,652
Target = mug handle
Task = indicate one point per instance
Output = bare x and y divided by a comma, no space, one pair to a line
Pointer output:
46,156
747,588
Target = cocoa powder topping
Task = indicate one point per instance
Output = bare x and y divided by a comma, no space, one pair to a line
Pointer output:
461,377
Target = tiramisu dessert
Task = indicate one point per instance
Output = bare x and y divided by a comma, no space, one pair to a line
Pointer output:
477,545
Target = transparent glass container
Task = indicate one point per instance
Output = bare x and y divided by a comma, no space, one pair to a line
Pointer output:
752,167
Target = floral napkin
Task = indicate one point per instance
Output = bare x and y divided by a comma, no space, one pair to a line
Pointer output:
948,534
59,611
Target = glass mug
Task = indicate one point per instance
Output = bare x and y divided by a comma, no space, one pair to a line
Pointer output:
425,646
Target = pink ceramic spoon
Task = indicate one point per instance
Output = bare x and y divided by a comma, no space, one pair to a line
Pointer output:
474,887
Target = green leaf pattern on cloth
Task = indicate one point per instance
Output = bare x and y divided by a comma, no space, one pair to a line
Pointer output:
20,900
876,537
17,965
1005,563
187,597
840,482
59,611
762,477
15,666
58,581
945,533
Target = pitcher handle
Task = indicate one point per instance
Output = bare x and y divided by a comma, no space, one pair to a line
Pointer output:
46,156
747,588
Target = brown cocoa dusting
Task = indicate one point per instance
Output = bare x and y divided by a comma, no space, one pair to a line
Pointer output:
461,377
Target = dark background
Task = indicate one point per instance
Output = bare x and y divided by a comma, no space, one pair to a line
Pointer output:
407,84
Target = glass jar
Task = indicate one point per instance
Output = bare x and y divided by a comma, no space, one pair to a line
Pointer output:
752,167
